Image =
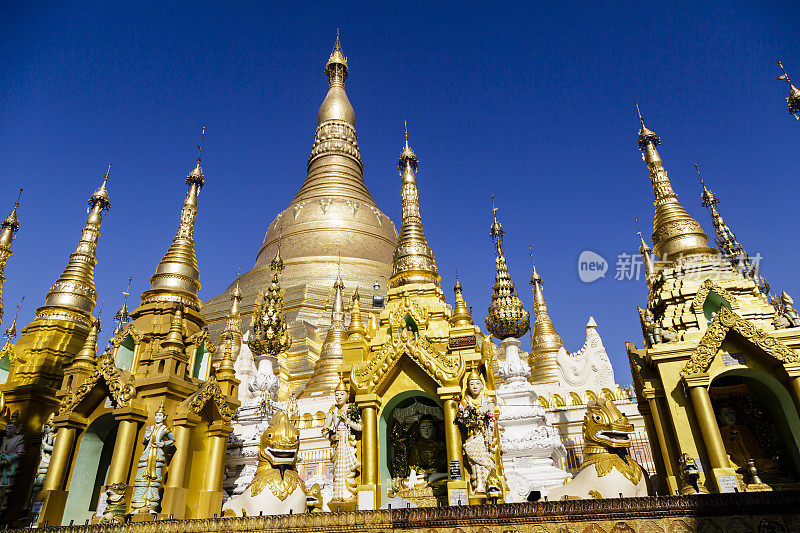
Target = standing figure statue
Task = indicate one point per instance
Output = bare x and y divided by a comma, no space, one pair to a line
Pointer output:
340,423
48,440
11,451
150,470
476,413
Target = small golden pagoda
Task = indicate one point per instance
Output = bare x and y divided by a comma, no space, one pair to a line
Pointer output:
47,345
718,379
153,384
411,381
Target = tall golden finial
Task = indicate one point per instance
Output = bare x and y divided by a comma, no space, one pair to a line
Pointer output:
675,232
645,251
88,353
545,340
73,296
507,316
356,328
8,229
461,316
793,100
177,276
277,262
731,248
11,331
326,376
413,260
121,318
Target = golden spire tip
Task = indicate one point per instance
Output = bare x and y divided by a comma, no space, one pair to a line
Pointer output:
639,113
405,129
200,146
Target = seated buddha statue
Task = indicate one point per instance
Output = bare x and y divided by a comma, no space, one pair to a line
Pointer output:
428,456
741,445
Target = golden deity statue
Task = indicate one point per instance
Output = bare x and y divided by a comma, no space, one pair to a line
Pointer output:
428,456
744,451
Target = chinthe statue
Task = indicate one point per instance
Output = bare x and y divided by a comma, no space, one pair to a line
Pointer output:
150,470
608,470
476,414
341,423
11,451
276,487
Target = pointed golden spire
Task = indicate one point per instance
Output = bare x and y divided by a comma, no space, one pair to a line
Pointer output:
122,317
730,247
232,334
460,316
675,232
270,330
356,328
73,296
545,340
177,276
8,229
507,316
413,259
87,355
226,366
174,341
11,331
649,268
793,100
331,357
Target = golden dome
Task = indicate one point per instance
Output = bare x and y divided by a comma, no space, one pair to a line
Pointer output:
332,218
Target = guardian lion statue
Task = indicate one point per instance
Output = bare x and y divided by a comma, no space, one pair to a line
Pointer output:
608,469
276,488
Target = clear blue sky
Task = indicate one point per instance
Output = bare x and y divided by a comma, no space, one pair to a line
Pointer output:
531,102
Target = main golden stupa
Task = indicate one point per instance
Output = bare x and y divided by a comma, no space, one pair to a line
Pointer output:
332,226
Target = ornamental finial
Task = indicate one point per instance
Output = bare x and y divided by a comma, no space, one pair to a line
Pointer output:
506,316
793,100
196,175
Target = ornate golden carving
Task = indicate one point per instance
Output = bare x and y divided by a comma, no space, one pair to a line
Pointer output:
397,317
702,293
210,390
120,383
725,321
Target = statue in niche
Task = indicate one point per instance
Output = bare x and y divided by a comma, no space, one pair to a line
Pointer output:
341,422
744,451
11,451
48,440
427,459
476,414
150,469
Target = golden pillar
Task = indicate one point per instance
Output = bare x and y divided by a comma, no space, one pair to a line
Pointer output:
129,419
456,487
793,369
210,501
665,446
53,497
724,477
174,500
369,488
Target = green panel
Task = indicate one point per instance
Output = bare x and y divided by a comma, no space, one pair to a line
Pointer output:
90,470
712,304
201,361
5,368
125,353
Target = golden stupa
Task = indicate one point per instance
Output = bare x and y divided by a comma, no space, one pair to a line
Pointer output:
332,225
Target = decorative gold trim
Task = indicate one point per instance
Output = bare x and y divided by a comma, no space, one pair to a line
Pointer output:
725,321
210,390
706,287
120,383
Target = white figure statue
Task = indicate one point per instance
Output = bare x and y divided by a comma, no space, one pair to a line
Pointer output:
150,470
340,424
476,413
